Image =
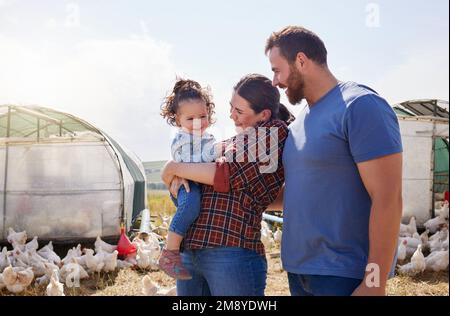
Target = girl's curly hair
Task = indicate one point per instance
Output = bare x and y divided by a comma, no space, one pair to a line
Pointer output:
182,91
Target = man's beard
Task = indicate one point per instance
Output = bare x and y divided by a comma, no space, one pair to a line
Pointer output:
295,87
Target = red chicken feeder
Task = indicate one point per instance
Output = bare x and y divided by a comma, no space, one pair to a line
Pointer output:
124,246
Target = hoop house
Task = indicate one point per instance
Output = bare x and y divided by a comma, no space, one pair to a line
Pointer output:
63,179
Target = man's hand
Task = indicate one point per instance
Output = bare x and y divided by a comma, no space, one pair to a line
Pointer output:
176,184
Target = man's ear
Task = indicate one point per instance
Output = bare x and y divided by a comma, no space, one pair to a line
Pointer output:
300,60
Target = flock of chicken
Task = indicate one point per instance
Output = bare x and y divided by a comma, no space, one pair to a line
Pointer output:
433,242
25,263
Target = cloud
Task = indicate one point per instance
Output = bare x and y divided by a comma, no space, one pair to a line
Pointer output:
117,85
5,3
423,75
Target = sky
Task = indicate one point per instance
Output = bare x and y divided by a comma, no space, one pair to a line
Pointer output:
112,62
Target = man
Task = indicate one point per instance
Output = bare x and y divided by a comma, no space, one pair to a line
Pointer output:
343,169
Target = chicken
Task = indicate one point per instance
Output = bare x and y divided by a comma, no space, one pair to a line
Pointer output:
149,288
442,211
411,243
19,258
437,261
71,273
266,235
55,288
33,245
143,258
49,268
94,263
410,229
100,245
417,264
149,251
418,259
37,263
4,259
48,253
110,260
434,224
17,239
441,235
75,252
17,279
401,251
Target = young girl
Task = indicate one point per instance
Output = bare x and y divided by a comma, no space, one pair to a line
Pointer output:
188,107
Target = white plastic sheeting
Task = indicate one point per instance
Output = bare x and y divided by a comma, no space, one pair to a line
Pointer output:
67,190
417,137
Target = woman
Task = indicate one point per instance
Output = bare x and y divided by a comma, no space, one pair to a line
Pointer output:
222,249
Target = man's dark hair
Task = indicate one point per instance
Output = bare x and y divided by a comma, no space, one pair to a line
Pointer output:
295,39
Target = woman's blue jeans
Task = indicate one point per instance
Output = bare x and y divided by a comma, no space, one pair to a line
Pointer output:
188,208
223,271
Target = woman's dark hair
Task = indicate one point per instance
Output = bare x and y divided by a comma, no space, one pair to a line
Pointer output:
182,91
262,95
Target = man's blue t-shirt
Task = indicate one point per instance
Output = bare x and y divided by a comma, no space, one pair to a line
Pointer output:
326,206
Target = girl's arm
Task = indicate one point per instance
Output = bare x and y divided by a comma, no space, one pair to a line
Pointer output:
198,172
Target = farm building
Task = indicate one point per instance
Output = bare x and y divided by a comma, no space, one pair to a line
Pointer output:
64,179
425,136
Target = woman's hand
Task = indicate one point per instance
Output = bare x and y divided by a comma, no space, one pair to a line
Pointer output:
168,172
176,184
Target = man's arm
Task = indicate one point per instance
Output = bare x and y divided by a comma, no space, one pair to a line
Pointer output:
382,178
277,204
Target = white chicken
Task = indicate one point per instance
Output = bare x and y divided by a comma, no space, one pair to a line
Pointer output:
4,259
411,243
94,263
441,235
55,288
401,251
48,253
17,279
110,260
100,245
437,261
17,239
442,211
266,236
72,272
49,268
75,252
434,224
149,288
417,264
144,258
33,245
410,229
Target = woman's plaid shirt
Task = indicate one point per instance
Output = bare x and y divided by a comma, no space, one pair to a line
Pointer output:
244,185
